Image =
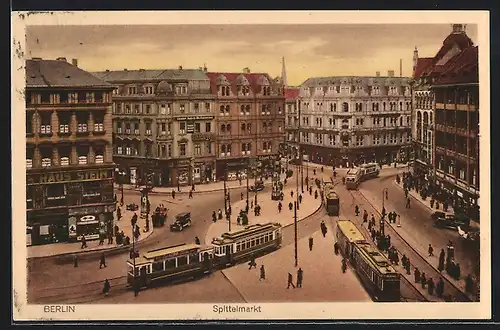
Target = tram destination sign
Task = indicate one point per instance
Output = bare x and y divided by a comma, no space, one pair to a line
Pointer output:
175,254
70,176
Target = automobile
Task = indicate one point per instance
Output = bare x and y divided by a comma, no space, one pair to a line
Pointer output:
451,221
132,207
259,185
181,221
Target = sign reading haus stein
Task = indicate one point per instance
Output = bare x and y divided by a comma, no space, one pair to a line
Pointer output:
69,176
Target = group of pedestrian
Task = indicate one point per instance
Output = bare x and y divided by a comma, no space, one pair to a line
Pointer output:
393,255
392,216
300,277
405,262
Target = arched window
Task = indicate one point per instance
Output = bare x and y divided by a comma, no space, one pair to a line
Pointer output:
249,147
228,148
426,118
227,109
400,121
401,106
331,106
419,116
248,108
242,109
222,109
345,107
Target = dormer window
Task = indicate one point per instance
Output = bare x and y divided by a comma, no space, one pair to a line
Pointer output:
132,90
148,90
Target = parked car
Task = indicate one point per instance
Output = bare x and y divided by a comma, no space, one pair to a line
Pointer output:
132,207
452,221
181,221
259,185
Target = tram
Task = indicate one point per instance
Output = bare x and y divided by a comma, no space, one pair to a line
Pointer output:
191,261
331,199
352,179
251,241
369,171
376,273
169,263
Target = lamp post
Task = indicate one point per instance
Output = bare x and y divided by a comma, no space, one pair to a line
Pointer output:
296,207
225,189
248,174
120,176
382,219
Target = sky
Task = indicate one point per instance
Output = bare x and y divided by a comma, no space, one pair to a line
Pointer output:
309,50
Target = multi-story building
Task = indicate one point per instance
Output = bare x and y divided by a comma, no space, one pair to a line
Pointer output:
69,158
250,119
292,117
455,84
163,125
344,120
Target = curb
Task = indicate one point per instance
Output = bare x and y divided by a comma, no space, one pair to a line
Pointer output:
187,192
414,250
89,254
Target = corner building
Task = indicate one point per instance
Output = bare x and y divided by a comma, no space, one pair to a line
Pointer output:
250,120
346,120
163,126
69,162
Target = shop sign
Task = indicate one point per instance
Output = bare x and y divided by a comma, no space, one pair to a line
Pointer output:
72,227
59,177
202,137
86,210
195,118
190,127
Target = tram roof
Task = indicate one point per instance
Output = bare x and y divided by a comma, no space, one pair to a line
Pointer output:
332,194
171,250
376,258
350,230
248,231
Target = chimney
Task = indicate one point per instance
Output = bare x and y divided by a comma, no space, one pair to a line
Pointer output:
61,59
390,73
180,67
107,70
74,62
125,69
205,67
377,74
246,70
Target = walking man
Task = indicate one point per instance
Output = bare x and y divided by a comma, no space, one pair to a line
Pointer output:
408,203
300,275
430,286
440,288
191,193
290,281
106,287
431,251
365,216
441,260
417,275
252,263
310,243
323,228
102,262
356,210
84,242
262,273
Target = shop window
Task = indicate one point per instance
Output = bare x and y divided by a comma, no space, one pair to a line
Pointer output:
92,192
56,195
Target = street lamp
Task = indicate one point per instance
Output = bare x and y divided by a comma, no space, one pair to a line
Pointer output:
120,176
248,174
385,192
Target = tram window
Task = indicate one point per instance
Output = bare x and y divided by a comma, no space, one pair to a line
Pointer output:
157,266
238,247
252,243
194,258
262,240
170,264
181,261
266,238
248,244
270,237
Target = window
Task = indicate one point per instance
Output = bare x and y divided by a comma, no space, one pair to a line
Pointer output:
223,128
247,109
99,123
196,108
360,139
82,160
227,110
197,149
163,109
148,89
119,150
243,127
208,127
207,107
89,97
331,139
148,108
158,266
345,107
82,127
148,128
127,109
136,128
169,150
132,90
228,128
208,148
72,97
182,149
182,108
137,109
182,127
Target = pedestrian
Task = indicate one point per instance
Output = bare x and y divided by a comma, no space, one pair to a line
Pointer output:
408,266
300,198
356,210
386,194
365,216
252,263
279,207
408,203
197,241
241,196
388,239
336,248
106,287
75,261
262,273
431,251
290,206
403,260
238,220
440,288
101,239
441,260
430,286
324,230
310,190
423,280
372,219
300,276
136,286
193,188
191,194
468,283
310,243
291,193
102,261
417,275
84,241
290,281
173,194
399,218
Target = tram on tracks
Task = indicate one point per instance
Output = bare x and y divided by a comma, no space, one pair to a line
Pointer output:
369,171
331,199
352,179
372,267
192,261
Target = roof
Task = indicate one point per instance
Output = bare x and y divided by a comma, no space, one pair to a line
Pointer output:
292,92
350,230
422,64
168,250
462,68
376,258
354,80
232,77
59,73
151,75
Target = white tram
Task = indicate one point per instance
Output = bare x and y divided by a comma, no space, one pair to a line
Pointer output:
352,179
369,171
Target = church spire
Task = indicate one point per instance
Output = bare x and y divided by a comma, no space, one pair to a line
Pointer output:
283,73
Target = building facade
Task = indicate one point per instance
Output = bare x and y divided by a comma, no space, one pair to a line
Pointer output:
346,120
292,117
163,126
69,159
250,120
453,81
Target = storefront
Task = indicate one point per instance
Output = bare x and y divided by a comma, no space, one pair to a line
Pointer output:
234,168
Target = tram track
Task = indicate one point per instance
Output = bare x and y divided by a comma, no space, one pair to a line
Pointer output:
450,289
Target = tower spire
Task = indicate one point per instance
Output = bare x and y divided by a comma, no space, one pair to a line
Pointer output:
283,73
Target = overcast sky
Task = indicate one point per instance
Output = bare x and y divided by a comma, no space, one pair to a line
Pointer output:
309,50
